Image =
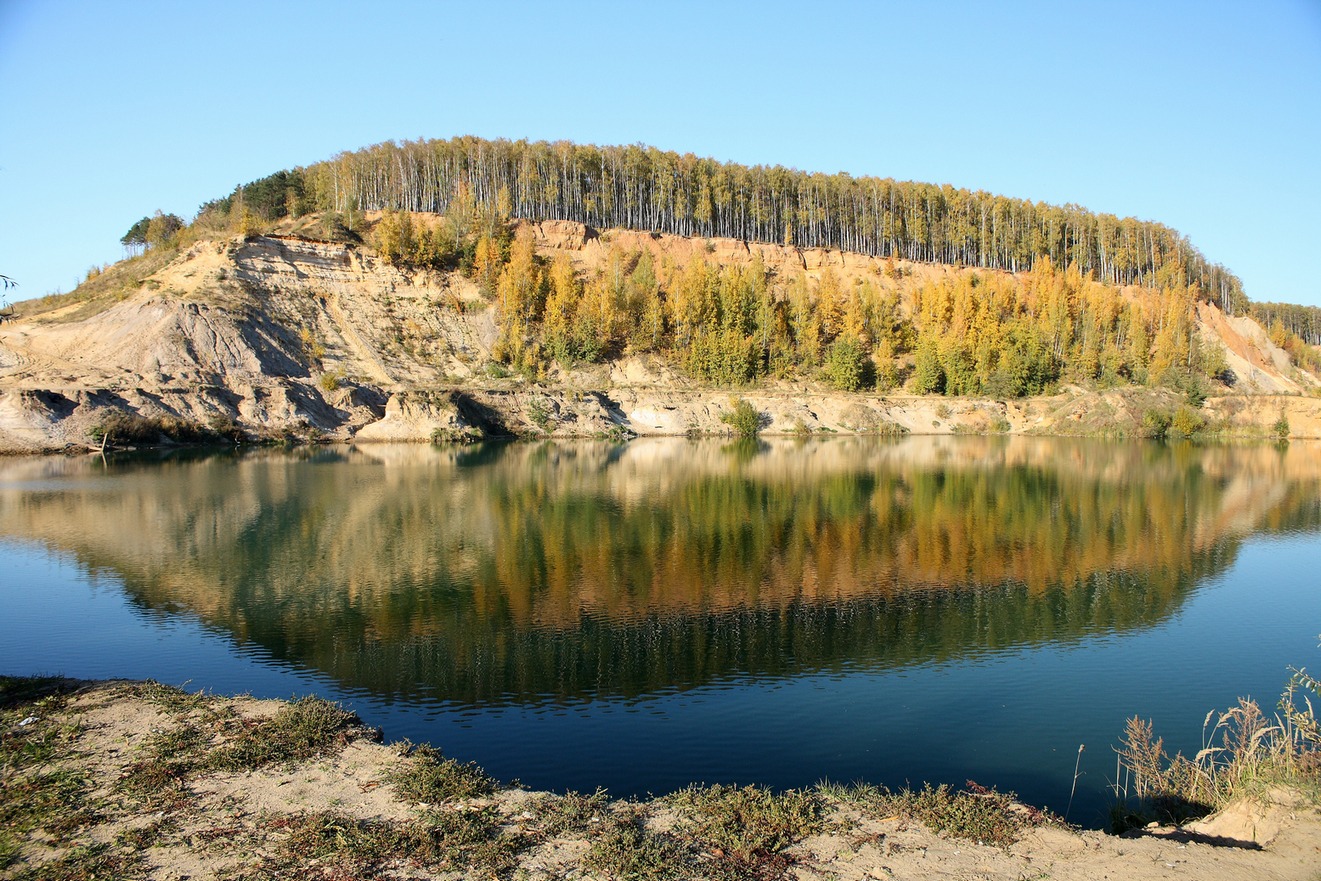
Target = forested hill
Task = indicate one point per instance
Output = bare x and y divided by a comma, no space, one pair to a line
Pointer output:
642,188
1283,319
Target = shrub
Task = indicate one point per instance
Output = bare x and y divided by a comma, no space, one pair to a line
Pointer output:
848,368
465,434
974,814
627,850
1187,422
744,419
330,381
223,426
120,426
1155,424
539,411
301,729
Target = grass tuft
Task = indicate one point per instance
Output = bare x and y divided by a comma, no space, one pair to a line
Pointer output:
329,844
89,862
54,802
9,849
301,729
470,839
975,813
573,813
147,835
29,736
427,777
1244,752
626,849
335,845
16,691
167,697
746,830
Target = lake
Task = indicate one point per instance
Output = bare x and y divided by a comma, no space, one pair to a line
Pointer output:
646,615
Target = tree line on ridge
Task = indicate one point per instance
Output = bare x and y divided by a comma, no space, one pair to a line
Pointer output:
1039,302
643,188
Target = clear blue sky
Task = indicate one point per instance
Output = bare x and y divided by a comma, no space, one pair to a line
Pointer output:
1205,116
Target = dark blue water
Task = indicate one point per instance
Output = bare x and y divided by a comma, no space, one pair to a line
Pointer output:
667,612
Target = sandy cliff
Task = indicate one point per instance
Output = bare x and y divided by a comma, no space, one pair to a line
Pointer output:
280,334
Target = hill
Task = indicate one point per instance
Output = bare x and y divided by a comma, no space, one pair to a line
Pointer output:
642,188
294,308
286,334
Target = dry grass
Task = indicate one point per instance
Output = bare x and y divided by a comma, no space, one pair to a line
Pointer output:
65,814
627,849
975,813
1244,753
333,845
38,794
301,729
746,830
207,737
100,291
427,777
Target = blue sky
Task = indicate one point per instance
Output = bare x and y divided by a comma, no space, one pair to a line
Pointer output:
1205,116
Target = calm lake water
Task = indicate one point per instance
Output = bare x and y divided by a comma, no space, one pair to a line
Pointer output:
644,616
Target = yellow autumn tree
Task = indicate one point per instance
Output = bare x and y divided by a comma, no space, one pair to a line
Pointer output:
519,303
561,302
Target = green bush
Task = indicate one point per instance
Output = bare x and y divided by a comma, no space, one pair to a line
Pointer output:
848,367
749,828
1187,422
928,374
744,419
1155,424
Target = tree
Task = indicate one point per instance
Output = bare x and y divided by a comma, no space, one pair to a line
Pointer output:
645,188
162,229
557,324
393,237
486,264
152,232
928,374
847,366
135,240
645,306
519,303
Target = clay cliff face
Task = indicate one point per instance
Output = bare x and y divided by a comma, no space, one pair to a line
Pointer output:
279,335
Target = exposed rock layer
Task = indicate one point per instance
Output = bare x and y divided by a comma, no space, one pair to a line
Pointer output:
278,335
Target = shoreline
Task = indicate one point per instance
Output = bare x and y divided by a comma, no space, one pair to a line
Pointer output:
518,416
135,779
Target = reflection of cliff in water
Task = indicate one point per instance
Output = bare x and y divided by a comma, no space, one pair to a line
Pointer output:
565,570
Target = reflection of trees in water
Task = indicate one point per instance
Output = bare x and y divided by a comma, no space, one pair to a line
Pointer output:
474,663
561,570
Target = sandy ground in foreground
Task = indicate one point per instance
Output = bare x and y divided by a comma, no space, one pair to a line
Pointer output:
233,824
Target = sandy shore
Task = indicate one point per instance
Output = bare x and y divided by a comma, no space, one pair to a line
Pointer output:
136,780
